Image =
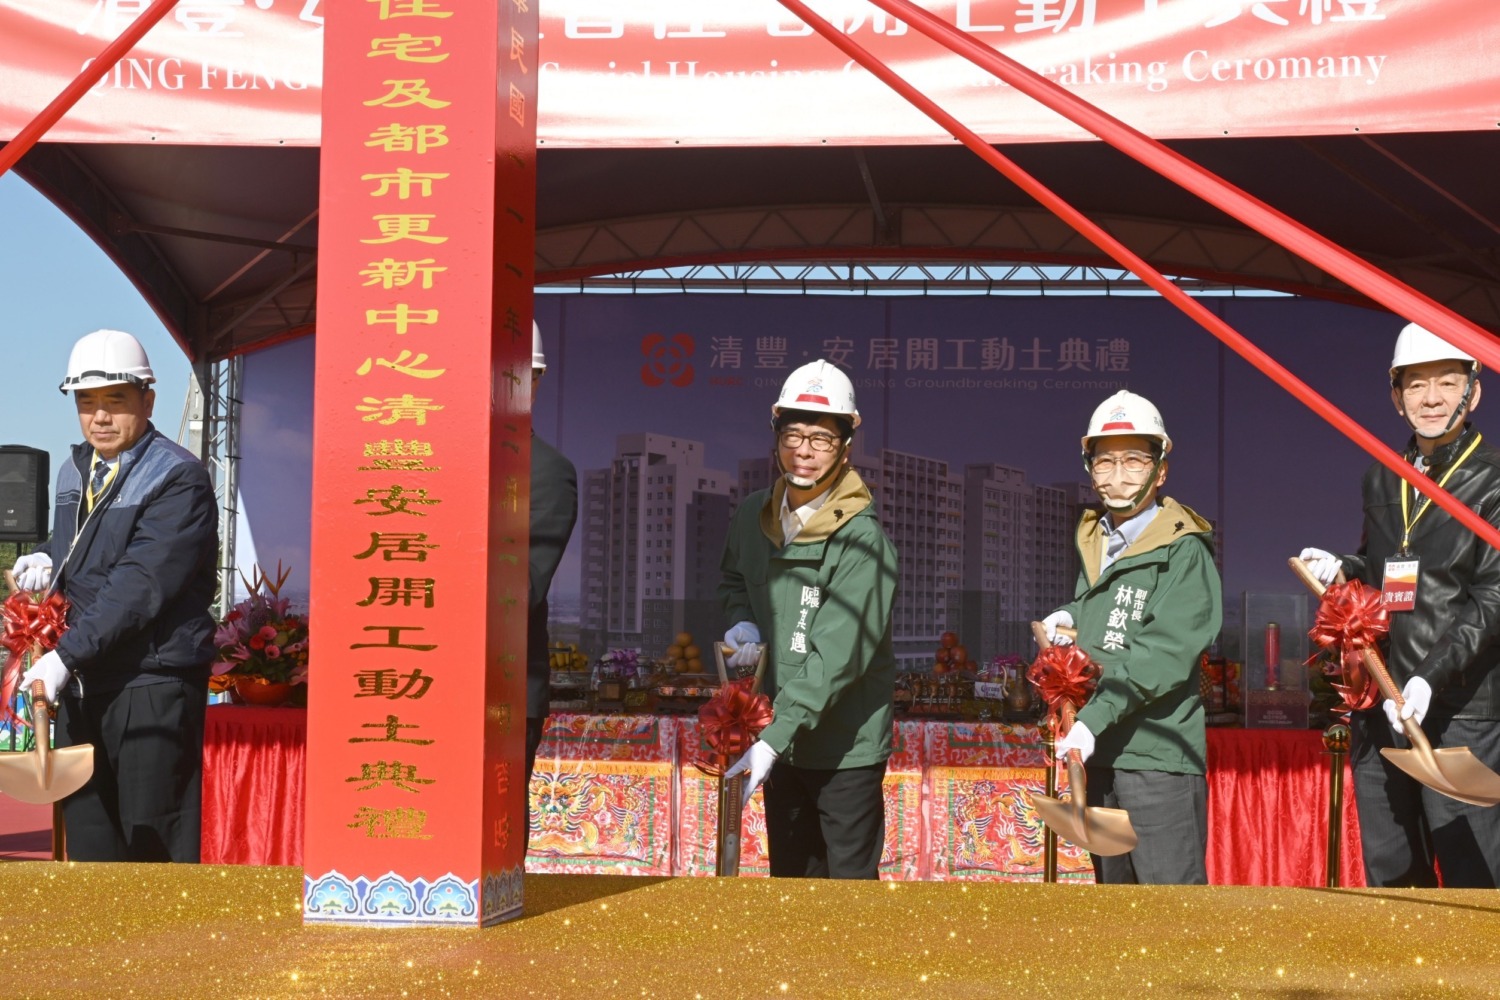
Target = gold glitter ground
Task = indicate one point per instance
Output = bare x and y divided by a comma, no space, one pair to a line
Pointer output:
187,932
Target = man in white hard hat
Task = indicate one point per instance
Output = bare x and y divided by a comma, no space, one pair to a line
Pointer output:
810,574
1444,641
1148,604
554,509
134,549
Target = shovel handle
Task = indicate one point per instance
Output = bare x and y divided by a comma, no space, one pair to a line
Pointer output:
10,582
1374,662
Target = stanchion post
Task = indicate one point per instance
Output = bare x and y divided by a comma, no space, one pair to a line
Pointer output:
1049,836
1336,747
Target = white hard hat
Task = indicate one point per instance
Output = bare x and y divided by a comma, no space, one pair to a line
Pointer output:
538,354
1123,414
818,387
107,357
1416,345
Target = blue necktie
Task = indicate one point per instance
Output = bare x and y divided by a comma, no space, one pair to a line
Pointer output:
96,485
1114,544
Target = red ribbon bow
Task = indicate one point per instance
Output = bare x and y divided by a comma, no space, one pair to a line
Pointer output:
1064,673
29,624
730,722
1352,618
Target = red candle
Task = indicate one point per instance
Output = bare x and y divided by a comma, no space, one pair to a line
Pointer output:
1273,656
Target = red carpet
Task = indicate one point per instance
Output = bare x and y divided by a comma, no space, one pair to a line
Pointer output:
25,831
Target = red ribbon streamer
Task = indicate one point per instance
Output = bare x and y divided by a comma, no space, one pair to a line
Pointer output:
730,721
1064,673
1352,618
29,624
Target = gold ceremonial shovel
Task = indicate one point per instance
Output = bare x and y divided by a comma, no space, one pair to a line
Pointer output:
45,775
1097,829
1454,771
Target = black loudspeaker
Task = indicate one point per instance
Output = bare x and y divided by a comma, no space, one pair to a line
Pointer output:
23,493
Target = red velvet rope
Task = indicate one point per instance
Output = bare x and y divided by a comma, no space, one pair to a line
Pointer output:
29,624
1352,618
730,722
1063,673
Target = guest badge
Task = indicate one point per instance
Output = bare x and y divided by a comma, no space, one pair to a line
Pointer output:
1400,590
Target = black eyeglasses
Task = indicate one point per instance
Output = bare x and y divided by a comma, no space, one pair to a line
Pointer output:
1133,462
816,441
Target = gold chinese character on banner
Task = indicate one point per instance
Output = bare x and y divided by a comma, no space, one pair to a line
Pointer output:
396,500
391,684
402,317
407,47
396,824
393,638
398,138
392,726
401,366
389,591
398,546
390,9
393,773
394,410
403,181
405,93
404,227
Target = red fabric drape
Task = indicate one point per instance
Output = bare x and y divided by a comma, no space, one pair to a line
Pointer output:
1268,810
254,781
1267,799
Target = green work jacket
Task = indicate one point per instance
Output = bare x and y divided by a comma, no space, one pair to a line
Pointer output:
823,607
1147,620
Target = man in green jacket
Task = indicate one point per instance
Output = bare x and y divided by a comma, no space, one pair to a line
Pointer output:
1148,604
809,572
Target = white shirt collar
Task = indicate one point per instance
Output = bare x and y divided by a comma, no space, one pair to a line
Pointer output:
793,521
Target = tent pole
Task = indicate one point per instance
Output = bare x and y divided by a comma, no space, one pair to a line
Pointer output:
1359,274
1155,279
112,54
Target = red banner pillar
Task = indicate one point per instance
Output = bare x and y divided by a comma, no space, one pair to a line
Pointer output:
416,784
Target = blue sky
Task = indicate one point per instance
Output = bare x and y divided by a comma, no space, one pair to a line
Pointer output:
57,285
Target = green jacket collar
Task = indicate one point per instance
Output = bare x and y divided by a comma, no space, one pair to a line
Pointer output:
1172,521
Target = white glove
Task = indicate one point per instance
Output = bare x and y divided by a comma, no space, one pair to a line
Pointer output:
1079,738
744,639
1418,697
1052,621
33,572
755,764
1323,565
51,671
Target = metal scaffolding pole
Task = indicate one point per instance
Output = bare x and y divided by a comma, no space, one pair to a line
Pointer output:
211,429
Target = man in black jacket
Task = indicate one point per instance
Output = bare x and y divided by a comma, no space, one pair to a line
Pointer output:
134,546
1442,649
554,508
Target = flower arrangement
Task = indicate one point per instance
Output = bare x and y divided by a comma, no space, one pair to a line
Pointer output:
259,641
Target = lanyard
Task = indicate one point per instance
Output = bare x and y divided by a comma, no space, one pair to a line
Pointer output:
1410,521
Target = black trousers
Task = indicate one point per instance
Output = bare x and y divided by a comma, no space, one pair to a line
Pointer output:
1404,826
145,799
825,823
1169,813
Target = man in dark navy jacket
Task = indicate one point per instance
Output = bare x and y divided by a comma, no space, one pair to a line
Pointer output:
133,549
554,509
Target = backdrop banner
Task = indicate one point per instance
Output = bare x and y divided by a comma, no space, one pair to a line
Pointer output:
972,412
745,72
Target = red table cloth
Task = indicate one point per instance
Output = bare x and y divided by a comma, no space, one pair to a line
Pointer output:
1267,802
